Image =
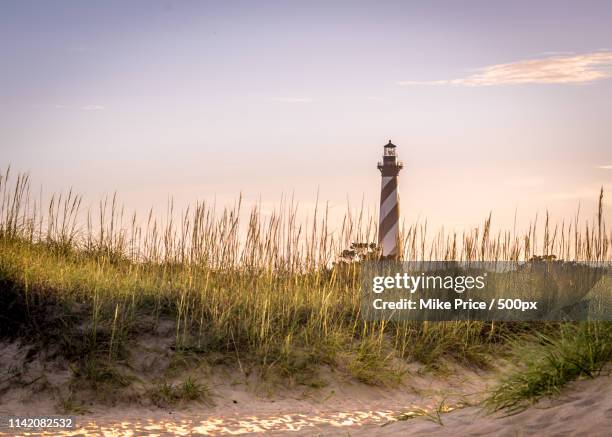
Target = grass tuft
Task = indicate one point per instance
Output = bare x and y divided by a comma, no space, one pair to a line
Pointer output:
549,361
166,394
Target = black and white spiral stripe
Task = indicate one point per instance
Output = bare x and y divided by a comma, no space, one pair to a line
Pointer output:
388,231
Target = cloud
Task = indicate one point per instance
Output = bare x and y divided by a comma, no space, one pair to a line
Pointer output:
582,193
605,167
573,69
292,99
92,108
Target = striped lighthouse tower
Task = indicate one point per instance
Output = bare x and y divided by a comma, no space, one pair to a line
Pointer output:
388,228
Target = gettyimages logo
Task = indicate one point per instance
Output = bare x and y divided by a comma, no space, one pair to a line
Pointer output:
412,283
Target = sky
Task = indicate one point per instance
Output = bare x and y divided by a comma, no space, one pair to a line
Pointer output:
494,106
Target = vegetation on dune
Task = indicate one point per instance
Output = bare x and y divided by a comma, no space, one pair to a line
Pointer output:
549,361
263,295
166,394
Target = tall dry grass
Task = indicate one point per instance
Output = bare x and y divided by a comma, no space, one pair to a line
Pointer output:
264,293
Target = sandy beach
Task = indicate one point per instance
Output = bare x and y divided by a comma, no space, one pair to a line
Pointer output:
583,408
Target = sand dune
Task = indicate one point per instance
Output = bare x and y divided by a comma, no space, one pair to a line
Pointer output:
584,408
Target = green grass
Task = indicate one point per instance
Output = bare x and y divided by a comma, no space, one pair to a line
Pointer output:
549,361
165,394
99,374
291,322
271,295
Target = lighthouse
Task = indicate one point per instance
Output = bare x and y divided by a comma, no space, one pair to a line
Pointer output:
388,225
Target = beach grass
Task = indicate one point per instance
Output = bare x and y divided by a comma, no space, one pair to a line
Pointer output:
547,362
271,295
